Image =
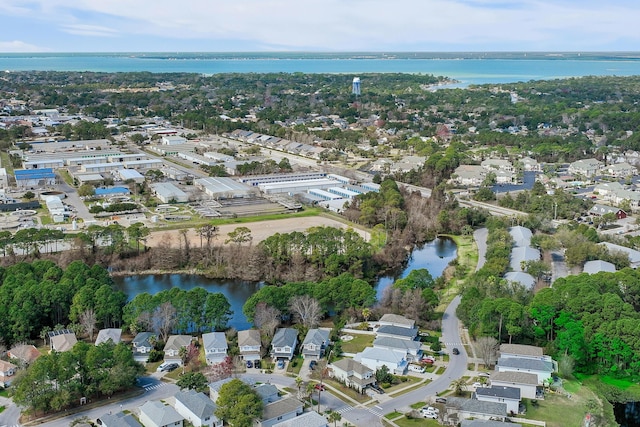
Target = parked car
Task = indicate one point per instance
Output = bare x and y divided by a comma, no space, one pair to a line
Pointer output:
441,400
280,364
249,364
430,415
167,367
455,351
477,385
312,365
430,409
377,388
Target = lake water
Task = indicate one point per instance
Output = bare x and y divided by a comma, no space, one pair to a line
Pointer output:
470,68
627,414
434,256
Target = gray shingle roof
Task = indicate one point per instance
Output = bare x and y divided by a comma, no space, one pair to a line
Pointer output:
119,419
396,318
486,423
142,339
522,349
285,337
214,340
499,391
249,338
198,403
281,407
112,334
349,365
515,377
308,419
159,414
518,363
397,330
478,406
398,343
317,336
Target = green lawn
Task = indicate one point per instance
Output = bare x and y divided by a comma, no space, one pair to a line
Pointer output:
558,410
416,422
410,381
295,365
358,343
2,408
4,392
348,391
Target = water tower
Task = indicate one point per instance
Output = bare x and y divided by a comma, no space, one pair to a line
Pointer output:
355,86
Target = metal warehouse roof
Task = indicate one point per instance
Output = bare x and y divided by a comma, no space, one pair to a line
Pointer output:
34,173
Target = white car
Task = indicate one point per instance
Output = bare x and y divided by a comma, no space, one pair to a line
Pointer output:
430,415
430,409
477,385
484,374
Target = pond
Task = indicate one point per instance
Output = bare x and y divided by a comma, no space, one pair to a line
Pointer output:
627,414
434,256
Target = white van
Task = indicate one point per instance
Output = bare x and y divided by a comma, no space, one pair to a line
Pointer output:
416,368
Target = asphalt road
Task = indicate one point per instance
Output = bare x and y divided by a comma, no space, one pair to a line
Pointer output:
456,368
480,236
154,390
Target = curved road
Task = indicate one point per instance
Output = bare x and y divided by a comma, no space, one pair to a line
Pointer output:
455,369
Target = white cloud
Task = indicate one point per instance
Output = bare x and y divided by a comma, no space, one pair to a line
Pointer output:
89,30
19,46
352,24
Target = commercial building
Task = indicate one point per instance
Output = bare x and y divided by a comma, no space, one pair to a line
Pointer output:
293,187
224,188
34,177
169,193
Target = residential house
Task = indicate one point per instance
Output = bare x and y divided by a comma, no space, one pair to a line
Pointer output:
308,419
197,408
173,346
156,414
634,256
315,343
62,340
280,410
215,347
622,196
412,349
250,344
608,190
352,374
598,266
521,236
7,371
525,279
586,167
267,392
541,368
142,346
397,332
284,343
500,394
531,165
493,165
119,419
620,170
374,358
599,210
458,409
469,175
112,334
214,387
523,351
396,320
521,254
527,383
24,353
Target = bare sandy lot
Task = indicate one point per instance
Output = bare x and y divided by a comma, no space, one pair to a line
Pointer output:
259,230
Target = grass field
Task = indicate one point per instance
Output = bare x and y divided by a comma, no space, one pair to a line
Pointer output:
358,343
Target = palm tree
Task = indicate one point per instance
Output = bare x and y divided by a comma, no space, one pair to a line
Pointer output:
299,382
334,417
366,313
459,386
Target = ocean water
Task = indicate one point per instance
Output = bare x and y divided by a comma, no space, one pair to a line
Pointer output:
470,68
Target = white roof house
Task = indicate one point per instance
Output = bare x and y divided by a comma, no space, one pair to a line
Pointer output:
521,236
374,358
597,266
524,279
522,254
634,256
396,320
155,414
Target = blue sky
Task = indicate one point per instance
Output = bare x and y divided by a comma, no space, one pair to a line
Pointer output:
318,25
